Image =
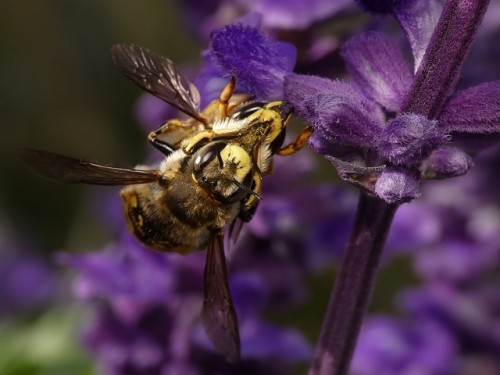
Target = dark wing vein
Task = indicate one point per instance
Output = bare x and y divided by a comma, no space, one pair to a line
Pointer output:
218,316
159,76
66,169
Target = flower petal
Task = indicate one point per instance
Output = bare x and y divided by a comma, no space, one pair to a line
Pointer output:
261,340
335,109
395,185
282,14
475,110
418,19
446,162
410,138
258,63
378,67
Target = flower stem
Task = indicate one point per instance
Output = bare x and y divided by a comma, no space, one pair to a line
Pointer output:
449,45
353,287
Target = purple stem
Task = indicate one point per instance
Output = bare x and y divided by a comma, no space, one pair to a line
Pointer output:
353,288
440,69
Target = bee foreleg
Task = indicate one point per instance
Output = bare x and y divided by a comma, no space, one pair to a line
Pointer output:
298,143
225,96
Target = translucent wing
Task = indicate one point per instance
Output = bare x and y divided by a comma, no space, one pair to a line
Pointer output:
218,316
65,169
159,76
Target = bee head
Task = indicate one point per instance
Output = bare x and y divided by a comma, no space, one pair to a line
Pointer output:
273,116
224,171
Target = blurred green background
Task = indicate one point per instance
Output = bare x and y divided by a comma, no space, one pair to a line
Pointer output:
60,92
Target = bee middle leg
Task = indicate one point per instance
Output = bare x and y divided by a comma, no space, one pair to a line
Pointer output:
298,143
169,127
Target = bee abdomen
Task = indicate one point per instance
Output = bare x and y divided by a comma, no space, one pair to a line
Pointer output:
159,230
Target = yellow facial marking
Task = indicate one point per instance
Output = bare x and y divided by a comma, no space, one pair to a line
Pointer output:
240,157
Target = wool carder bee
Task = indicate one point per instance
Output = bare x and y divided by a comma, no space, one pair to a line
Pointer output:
210,176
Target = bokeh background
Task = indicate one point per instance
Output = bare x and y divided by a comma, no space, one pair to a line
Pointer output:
59,91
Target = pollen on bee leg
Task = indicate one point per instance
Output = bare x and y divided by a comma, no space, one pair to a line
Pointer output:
130,199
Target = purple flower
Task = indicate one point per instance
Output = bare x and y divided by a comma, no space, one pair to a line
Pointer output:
376,120
27,282
205,16
406,141
389,346
147,309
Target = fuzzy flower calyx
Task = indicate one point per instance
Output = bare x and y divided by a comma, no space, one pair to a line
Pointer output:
386,121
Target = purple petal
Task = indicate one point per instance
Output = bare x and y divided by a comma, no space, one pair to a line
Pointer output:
282,14
258,63
418,19
468,315
446,162
391,347
406,236
250,293
410,138
453,260
335,109
395,185
378,67
475,110
263,340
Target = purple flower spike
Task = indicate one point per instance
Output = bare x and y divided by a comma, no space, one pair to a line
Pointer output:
473,111
378,67
395,185
409,138
259,64
446,162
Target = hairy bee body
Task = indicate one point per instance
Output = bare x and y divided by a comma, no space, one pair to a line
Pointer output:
177,216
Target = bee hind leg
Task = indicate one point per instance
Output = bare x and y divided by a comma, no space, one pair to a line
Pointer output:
298,143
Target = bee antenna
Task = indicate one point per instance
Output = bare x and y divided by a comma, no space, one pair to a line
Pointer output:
246,188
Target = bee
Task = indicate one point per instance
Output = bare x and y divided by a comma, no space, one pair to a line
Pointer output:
210,176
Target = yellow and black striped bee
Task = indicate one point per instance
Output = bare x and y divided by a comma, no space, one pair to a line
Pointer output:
210,177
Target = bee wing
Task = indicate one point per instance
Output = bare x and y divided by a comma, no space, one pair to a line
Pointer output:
65,169
159,76
219,316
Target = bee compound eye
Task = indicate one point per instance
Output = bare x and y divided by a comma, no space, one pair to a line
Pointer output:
207,154
246,110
